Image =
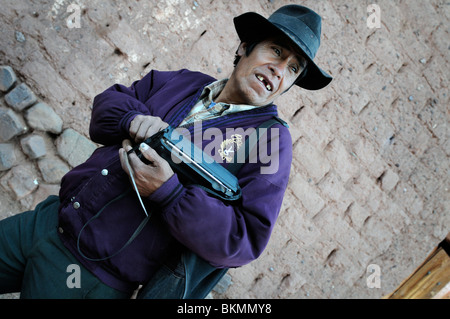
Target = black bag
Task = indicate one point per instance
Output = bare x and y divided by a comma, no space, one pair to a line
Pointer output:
192,165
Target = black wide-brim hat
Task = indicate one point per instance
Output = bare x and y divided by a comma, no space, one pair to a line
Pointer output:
301,26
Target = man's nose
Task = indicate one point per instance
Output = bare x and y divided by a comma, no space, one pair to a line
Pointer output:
279,68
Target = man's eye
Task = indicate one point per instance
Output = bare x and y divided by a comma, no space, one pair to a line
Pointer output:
294,69
277,51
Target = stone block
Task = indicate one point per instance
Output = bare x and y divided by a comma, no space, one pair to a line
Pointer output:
436,74
403,159
383,48
314,128
11,124
331,222
380,84
407,197
362,187
425,180
21,180
434,117
52,169
290,283
366,152
432,158
42,117
7,78
314,162
358,215
342,160
7,156
306,194
396,217
415,135
20,97
378,124
33,146
332,186
378,234
426,16
74,147
413,90
389,180
297,223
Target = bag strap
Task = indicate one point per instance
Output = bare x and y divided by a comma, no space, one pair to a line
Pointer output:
244,151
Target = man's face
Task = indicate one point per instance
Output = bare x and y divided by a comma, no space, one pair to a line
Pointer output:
266,73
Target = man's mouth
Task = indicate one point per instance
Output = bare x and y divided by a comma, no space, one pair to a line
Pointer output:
265,82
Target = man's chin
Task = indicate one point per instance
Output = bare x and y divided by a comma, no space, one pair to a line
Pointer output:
259,98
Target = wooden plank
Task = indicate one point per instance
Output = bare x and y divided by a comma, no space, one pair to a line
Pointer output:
429,280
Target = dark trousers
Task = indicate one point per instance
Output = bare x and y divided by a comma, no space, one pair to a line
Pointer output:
34,262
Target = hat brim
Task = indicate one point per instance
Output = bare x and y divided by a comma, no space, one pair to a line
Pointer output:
251,26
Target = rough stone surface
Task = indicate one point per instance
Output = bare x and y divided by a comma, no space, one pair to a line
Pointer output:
389,180
7,156
20,97
369,181
33,146
74,147
7,78
22,180
11,124
52,169
42,117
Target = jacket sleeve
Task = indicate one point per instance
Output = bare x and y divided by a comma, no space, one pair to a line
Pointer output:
228,234
115,108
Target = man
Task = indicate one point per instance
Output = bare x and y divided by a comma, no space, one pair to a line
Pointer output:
87,229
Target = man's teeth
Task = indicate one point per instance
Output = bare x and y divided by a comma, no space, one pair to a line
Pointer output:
268,86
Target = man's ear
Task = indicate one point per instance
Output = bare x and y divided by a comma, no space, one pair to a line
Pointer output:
242,49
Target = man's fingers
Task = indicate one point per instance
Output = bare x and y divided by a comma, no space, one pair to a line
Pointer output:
126,145
123,160
144,126
150,154
147,178
134,127
142,132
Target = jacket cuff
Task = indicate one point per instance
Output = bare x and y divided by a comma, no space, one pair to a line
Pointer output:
126,121
168,194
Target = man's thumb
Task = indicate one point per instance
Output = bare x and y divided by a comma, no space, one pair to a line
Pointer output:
149,153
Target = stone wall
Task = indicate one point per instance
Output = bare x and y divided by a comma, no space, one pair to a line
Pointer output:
35,152
369,182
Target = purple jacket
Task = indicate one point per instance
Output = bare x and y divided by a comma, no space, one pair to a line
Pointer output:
223,234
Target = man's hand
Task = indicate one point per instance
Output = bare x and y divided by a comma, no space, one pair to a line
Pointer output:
144,126
150,177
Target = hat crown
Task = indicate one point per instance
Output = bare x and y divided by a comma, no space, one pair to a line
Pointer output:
302,25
